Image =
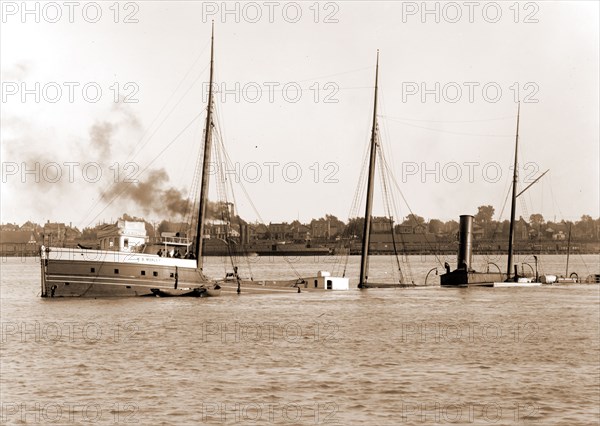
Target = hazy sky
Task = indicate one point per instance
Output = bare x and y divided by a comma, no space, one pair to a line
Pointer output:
82,95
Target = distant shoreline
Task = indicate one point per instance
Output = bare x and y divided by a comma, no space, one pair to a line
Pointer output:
372,253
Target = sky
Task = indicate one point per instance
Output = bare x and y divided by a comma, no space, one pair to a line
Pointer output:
103,103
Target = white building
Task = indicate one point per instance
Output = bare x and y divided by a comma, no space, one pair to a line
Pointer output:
122,236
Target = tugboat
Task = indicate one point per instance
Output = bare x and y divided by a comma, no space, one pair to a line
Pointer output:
464,275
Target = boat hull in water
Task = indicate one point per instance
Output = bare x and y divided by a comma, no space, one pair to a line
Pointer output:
322,282
100,273
463,278
517,284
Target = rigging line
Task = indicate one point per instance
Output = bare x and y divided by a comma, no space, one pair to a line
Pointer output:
240,221
172,95
389,117
386,131
361,184
229,163
131,156
258,89
388,195
451,132
287,260
394,212
508,192
126,186
386,199
393,179
225,213
226,218
233,252
194,189
358,196
554,198
168,115
113,183
191,196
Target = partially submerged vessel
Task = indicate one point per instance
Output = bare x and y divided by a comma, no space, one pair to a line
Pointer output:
464,275
164,267
374,151
81,272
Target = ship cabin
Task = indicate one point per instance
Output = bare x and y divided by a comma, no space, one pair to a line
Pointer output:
325,281
170,244
123,236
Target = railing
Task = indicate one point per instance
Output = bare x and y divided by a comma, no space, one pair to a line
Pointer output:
170,240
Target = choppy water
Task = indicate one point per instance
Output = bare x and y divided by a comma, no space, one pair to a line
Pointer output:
382,357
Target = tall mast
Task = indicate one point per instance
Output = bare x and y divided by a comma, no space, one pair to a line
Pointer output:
206,158
364,259
511,232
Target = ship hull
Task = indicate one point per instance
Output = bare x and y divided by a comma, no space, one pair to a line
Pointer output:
269,286
462,278
97,273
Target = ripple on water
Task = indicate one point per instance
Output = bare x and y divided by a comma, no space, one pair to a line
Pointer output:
170,369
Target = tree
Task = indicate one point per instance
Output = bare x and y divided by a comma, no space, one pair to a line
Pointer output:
413,220
354,227
484,215
451,227
536,220
484,218
435,226
585,227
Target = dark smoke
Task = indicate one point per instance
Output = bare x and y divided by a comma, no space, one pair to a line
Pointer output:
150,195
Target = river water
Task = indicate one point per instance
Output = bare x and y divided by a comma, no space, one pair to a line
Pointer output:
422,356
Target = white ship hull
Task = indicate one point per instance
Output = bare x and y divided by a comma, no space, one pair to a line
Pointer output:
517,284
101,273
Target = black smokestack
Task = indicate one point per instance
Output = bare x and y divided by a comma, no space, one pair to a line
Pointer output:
465,245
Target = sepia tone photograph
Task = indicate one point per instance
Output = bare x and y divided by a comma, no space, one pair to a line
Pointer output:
300,212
